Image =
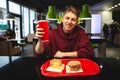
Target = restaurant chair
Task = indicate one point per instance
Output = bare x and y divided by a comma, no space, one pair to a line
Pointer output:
7,48
30,38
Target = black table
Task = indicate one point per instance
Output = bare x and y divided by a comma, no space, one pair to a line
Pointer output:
28,68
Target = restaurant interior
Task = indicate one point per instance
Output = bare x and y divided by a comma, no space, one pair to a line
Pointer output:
17,59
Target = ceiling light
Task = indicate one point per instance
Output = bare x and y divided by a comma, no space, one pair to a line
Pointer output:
85,14
51,14
9,17
118,3
80,21
115,5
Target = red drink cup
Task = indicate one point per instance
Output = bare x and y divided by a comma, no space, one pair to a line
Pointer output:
44,24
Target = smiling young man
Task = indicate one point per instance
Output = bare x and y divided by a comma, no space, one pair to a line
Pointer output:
68,40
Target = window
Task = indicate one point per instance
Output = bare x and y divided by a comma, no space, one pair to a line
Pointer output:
2,8
96,24
25,18
3,4
14,8
28,15
32,17
3,23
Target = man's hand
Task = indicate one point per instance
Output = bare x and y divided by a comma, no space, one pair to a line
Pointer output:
59,54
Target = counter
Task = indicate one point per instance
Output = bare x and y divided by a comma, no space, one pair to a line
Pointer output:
27,68
101,45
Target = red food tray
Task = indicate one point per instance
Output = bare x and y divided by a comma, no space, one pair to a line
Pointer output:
90,68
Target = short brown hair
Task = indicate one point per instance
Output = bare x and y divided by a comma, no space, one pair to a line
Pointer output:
73,10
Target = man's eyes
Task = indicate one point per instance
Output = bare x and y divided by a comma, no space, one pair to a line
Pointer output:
67,18
71,19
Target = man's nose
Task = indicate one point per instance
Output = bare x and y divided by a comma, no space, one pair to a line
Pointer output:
69,20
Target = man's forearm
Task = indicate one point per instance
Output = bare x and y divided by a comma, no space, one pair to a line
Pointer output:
70,54
39,47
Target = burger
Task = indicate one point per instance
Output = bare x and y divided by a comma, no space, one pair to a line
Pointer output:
74,65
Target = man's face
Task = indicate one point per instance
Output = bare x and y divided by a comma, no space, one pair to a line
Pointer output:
69,20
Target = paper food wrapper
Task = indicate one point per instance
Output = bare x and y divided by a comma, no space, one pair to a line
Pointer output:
60,70
68,71
54,70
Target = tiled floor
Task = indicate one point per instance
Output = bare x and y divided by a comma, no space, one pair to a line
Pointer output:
112,50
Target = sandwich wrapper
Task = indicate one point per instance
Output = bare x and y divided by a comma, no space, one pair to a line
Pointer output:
68,71
54,70
60,70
